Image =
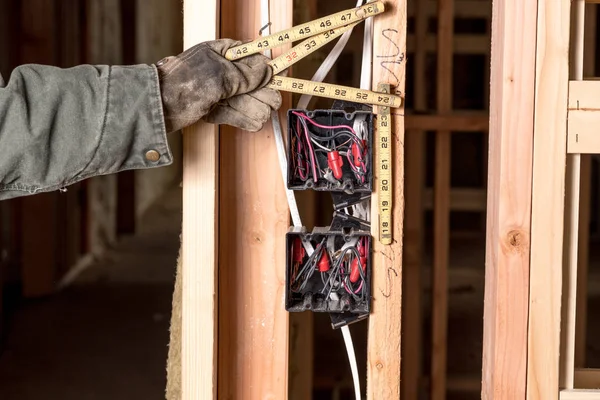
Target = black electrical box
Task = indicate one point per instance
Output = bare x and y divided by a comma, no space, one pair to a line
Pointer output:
335,278
330,150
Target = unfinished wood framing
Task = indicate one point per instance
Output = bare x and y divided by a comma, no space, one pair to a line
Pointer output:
104,32
247,356
451,122
200,230
441,203
413,225
443,199
564,116
588,69
506,300
383,349
548,191
571,225
254,218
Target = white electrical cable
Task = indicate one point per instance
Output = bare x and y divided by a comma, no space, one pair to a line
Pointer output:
277,131
352,359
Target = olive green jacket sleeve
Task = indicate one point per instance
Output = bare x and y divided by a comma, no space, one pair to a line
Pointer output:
60,126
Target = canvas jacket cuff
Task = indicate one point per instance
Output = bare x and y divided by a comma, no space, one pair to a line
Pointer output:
60,126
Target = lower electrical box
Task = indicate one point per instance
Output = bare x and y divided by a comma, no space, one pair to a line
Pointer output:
330,150
335,278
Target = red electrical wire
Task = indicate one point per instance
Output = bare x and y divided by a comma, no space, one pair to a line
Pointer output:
312,154
324,126
299,147
311,149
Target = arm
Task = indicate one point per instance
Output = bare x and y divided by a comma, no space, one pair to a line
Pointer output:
60,126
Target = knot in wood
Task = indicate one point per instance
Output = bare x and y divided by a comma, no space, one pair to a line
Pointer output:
379,365
516,241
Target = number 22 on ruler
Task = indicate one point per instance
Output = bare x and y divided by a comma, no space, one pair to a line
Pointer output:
385,171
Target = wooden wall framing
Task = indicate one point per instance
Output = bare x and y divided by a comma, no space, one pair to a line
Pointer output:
447,42
542,351
508,226
242,234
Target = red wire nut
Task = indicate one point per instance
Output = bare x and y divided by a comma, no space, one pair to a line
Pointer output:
298,251
324,262
335,163
356,155
354,274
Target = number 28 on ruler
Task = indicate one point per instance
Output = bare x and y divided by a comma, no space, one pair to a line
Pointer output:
385,171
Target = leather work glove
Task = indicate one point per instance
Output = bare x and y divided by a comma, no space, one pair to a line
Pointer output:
201,83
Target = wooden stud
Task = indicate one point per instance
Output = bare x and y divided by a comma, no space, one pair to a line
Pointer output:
441,202
589,64
126,185
413,226
571,226
38,221
383,348
509,200
451,122
583,261
105,40
460,199
254,218
548,192
200,230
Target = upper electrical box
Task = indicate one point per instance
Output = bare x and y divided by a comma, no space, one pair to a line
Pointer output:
330,150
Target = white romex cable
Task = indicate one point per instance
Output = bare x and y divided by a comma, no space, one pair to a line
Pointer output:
277,131
352,360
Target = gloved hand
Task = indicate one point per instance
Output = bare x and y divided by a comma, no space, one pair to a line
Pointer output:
201,83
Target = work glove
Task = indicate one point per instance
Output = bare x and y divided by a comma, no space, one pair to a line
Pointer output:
201,83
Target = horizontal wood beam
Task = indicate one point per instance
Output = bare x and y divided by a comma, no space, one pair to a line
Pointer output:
455,383
579,394
462,44
462,8
587,378
460,199
452,122
583,134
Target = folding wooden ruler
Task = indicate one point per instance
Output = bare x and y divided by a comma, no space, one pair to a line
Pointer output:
316,33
